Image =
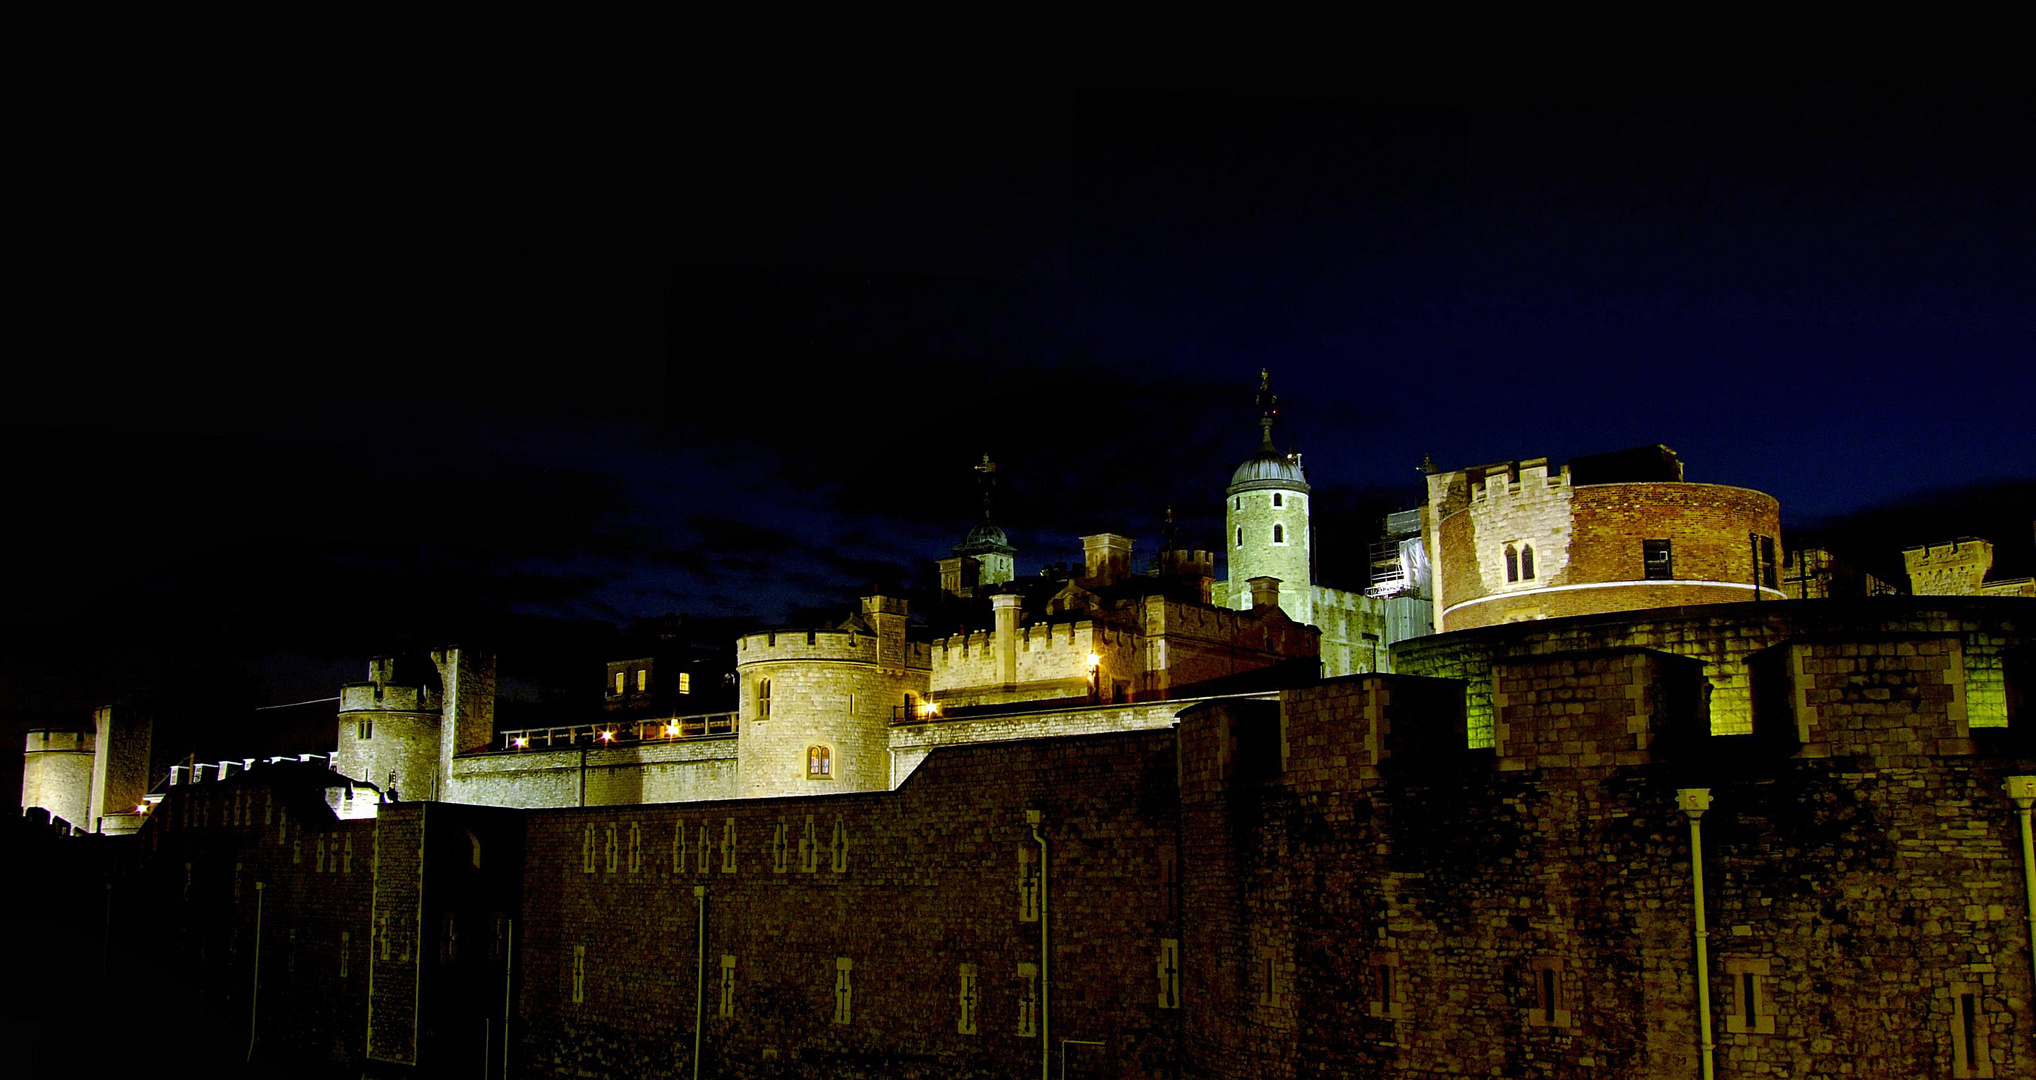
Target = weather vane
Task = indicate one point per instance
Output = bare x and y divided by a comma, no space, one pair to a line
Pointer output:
986,471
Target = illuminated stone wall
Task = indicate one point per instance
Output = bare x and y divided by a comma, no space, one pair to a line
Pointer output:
119,766
1052,661
650,772
1725,637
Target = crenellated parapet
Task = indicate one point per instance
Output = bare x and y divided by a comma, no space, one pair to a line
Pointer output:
848,646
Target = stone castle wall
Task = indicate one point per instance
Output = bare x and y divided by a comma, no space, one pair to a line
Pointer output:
886,882
1726,637
1052,659
1332,883
1438,911
651,772
911,743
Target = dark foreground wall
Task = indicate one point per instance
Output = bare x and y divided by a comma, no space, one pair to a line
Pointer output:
878,935
1328,884
1367,898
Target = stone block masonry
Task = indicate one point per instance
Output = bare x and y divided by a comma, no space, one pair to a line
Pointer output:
872,899
1332,882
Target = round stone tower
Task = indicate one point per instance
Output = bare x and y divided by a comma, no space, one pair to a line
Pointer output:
389,728
56,774
1265,520
816,706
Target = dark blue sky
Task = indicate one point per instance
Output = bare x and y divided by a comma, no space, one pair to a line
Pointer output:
371,379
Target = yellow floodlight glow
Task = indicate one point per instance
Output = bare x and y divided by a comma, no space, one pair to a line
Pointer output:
522,741
1095,661
607,736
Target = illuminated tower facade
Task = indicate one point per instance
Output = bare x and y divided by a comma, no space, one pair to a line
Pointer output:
1265,520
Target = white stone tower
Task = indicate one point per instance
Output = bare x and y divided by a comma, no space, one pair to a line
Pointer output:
816,706
390,732
1265,521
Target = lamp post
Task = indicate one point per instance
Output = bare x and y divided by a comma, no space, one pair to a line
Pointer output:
1693,802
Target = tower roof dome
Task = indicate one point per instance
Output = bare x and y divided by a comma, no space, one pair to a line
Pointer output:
985,539
1268,468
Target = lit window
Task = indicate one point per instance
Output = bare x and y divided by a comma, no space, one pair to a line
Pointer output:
619,683
685,682
1527,562
819,763
763,699
1512,564
1659,559
642,679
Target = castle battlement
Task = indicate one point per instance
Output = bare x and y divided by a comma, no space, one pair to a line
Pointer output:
382,697
1521,479
806,645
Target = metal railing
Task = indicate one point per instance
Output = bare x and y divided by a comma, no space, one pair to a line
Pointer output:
623,732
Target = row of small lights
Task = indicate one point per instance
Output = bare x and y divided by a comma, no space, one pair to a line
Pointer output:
671,731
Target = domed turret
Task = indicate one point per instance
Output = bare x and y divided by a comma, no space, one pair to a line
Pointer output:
985,556
1265,516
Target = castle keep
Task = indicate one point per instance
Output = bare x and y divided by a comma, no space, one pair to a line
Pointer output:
1631,815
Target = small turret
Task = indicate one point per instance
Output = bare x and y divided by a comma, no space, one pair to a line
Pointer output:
985,556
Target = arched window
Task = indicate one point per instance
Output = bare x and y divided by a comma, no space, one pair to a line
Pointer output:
763,699
1279,533
1238,504
819,763
1240,536
1512,564
1276,498
1527,562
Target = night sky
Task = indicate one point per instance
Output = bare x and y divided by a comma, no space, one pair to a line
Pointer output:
318,378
